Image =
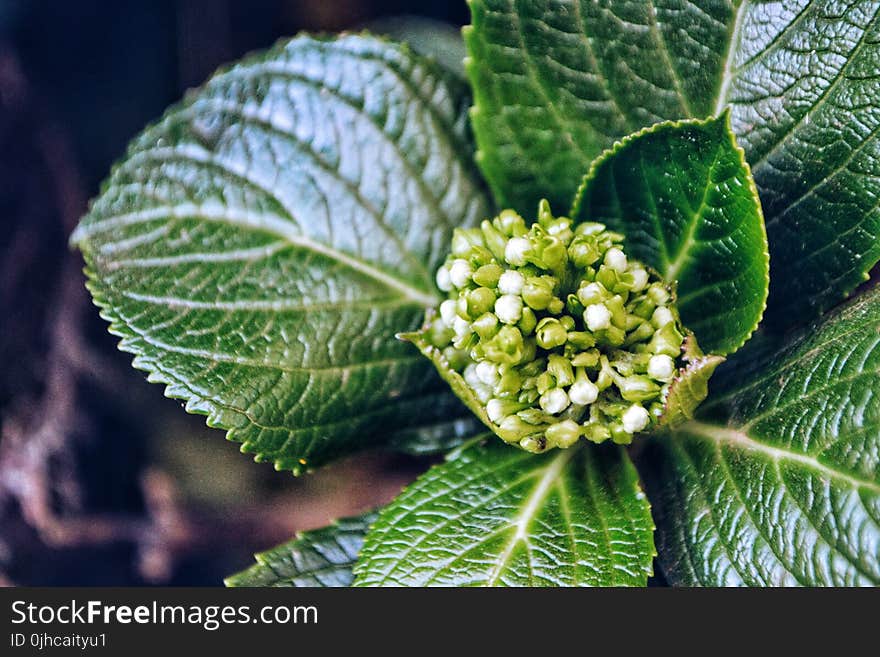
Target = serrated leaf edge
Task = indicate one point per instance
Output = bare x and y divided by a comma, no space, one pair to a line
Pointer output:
722,119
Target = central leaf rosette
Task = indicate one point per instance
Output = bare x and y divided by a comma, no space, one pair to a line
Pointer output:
551,333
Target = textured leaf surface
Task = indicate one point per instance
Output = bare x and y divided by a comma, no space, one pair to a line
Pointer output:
688,390
494,515
557,81
804,90
322,557
778,483
259,246
684,197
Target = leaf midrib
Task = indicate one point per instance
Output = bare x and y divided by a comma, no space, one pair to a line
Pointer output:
674,267
273,224
522,520
725,435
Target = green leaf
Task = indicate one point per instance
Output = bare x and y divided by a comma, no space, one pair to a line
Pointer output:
778,482
259,246
556,82
321,557
683,196
688,390
494,515
804,88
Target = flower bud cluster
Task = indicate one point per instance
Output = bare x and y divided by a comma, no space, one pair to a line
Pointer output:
556,332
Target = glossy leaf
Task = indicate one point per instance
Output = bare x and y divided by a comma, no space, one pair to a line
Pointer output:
683,196
321,557
778,482
556,82
259,247
804,88
494,515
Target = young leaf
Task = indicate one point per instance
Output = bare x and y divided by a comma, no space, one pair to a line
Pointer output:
555,83
683,196
778,483
321,557
688,390
494,515
260,246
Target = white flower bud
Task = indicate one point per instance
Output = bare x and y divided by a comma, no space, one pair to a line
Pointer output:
462,327
495,409
640,279
616,260
470,376
511,282
444,282
447,312
460,272
661,317
661,367
597,317
487,372
583,392
554,401
508,308
634,419
515,251
558,227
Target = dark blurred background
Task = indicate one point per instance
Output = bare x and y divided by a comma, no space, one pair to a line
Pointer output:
102,479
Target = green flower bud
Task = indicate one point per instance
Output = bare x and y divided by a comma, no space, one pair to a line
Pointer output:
463,240
638,388
535,443
550,333
510,383
619,435
588,358
480,301
581,340
658,294
596,433
583,251
545,382
511,224
555,331
488,275
563,434
456,358
528,321
505,347
548,253
486,326
561,370
514,429
667,341
537,293
496,241
439,333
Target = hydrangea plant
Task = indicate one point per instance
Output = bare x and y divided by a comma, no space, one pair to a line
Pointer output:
533,266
